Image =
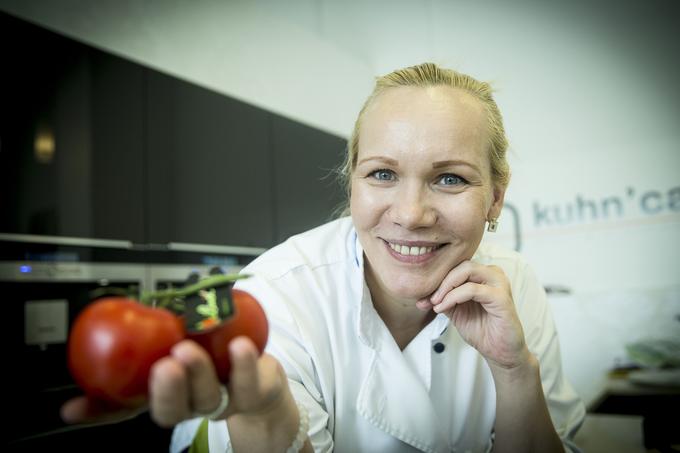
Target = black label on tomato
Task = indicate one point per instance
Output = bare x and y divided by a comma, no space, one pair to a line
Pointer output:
208,307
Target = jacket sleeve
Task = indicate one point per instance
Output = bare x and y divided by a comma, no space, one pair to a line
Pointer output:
567,411
295,337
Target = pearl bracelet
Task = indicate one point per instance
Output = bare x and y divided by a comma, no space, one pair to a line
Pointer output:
301,435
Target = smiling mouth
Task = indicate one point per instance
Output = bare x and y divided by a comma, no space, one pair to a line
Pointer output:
413,250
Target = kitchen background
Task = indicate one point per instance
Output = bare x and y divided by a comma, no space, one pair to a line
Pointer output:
189,123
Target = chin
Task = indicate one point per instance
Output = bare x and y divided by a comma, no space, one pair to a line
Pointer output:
412,289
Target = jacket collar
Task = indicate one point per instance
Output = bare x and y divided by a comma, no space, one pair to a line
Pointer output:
394,399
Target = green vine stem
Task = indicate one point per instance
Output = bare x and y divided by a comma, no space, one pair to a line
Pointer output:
172,299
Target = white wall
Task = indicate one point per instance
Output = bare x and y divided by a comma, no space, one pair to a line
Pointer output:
246,49
590,98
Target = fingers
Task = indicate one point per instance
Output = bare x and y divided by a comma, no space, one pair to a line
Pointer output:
169,397
244,380
183,385
466,292
257,383
469,271
74,410
203,384
471,281
424,305
85,410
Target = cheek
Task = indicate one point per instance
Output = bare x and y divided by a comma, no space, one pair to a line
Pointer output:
365,206
465,215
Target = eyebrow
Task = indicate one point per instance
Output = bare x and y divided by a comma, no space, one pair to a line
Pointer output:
438,164
449,163
386,160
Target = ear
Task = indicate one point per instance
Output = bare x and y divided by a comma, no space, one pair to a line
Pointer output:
497,204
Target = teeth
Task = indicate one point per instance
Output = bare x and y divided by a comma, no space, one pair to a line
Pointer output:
410,251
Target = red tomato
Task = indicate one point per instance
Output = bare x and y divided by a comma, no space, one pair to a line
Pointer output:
248,319
112,345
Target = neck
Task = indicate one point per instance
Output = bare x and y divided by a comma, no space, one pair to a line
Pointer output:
400,315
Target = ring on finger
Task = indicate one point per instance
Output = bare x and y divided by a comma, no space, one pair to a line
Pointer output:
219,410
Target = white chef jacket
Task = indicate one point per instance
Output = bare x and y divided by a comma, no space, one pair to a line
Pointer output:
362,392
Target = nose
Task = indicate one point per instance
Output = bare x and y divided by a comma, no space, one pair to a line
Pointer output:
412,208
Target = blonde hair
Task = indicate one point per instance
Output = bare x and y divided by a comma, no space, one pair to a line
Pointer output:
429,75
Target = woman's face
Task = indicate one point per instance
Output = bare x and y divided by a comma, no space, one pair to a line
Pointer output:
422,188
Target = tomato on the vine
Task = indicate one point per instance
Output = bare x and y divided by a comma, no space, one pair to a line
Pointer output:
114,342
248,319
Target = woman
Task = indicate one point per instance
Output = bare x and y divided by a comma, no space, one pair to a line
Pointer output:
393,329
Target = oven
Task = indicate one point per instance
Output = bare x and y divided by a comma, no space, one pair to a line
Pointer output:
44,287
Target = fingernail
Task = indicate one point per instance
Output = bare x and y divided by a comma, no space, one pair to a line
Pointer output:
239,347
234,347
67,417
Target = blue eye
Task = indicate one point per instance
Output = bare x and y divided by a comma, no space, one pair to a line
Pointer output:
451,180
383,175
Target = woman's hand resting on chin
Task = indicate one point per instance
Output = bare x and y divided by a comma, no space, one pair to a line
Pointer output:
478,300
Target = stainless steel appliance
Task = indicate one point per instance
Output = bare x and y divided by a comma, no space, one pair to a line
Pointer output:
45,283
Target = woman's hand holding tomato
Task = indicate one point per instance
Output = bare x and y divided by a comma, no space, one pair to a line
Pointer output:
125,356
185,384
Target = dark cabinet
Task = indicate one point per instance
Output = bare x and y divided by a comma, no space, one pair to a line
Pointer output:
224,172
306,190
70,138
96,146
209,168
118,164
43,88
